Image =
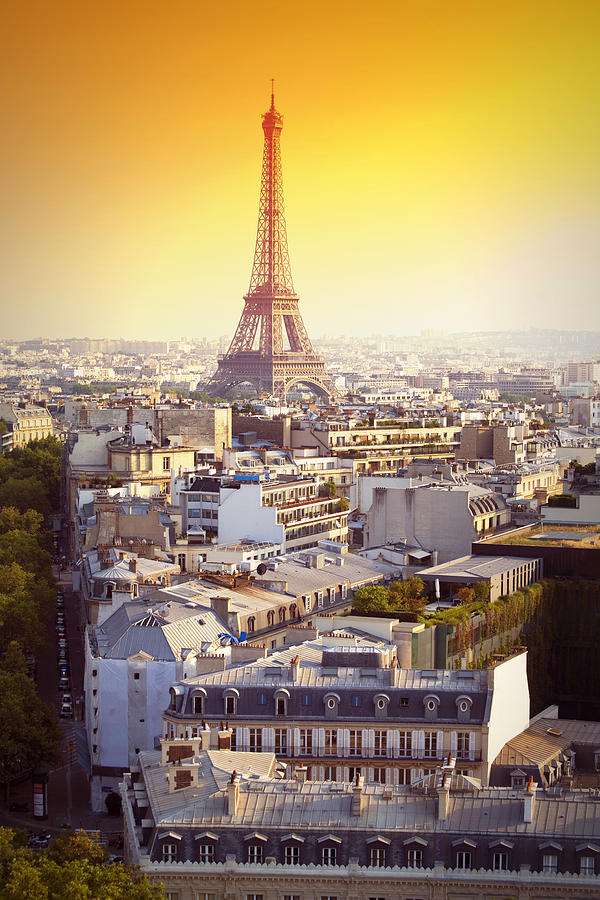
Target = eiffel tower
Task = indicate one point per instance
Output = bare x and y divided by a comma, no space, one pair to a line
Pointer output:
260,355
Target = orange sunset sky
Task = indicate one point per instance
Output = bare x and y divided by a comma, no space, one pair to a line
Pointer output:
440,160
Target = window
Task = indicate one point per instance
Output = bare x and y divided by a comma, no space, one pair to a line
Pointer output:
330,741
307,602
172,895
262,699
166,463
403,702
230,705
463,859
291,856
329,856
356,700
377,856
306,742
255,739
202,896
463,745
500,861
431,744
587,865
282,614
136,676
251,623
281,740
169,853
379,775
255,853
270,618
355,743
550,862
198,704
281,706
254,897
380,743
319,598
344,591
233,741
306,700
207,853
405,743
414,859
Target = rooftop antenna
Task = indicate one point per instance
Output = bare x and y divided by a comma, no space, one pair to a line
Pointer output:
272,93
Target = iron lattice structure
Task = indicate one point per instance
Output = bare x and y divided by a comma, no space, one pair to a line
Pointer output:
258,352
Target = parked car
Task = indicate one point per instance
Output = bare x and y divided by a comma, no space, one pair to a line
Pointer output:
39,841
67,698
63,683
66,710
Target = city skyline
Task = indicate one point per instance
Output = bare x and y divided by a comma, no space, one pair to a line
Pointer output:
439,166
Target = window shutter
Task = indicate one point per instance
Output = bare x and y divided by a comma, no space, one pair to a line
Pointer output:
245,738
296,746
453,744
472,736
421,743
371,742
290,740
365,742
346,732
415,745
340,742
268,739
440,745
395,739
315,741
321,740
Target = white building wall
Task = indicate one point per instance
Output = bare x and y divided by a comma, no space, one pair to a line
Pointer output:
509,709
587,513
242,516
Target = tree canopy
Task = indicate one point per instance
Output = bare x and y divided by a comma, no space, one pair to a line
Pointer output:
72,867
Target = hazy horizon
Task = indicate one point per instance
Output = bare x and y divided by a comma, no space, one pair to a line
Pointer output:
439,164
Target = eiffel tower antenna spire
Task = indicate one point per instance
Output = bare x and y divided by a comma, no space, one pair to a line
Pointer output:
271,301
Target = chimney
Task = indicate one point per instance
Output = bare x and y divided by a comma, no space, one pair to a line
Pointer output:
294,668
301,773
357,795
529,801
443,802
233,789
133,565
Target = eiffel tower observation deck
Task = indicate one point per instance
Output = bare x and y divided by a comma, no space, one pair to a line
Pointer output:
271,348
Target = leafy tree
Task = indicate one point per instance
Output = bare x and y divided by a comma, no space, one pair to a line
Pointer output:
29,733
28,875
76,845
481,589
372,598
24,549
25,493
466,594
25,602
11,519
328,489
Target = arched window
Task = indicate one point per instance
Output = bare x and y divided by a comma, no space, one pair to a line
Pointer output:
251,623
293,611
270,618
282,614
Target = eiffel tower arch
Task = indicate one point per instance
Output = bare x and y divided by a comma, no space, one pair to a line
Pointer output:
271,348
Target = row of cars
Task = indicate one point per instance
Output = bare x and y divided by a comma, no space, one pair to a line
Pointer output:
64,668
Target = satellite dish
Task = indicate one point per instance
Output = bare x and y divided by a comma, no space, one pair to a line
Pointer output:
261,569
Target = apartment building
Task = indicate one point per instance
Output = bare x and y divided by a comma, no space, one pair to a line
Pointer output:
342,707
26,423
430,513
287,510
200,820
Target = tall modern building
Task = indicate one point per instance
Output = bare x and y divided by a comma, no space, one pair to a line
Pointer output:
271,348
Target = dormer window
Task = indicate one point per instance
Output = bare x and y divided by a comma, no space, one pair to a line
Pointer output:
332,702
281,702
381,705
251,624
199,699
463,708
230,699
431,703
